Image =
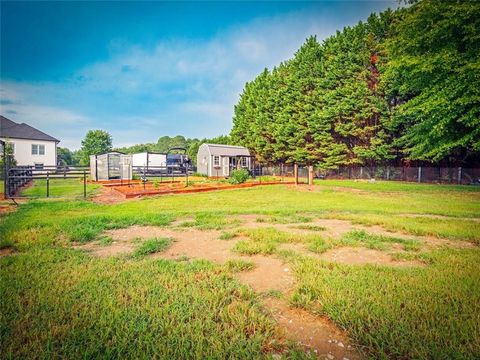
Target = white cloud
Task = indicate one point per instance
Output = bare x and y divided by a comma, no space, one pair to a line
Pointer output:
176,87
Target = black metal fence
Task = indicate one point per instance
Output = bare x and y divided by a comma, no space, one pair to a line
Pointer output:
422,174
19,177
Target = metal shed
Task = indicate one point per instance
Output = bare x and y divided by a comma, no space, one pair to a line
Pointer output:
219,160
110,166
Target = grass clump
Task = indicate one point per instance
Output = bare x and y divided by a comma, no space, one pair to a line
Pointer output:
264,241
105,240
151,246
318,245
227,235
238,265
310,227
377,242
290,219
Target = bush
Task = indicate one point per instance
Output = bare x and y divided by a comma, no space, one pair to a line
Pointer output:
239,176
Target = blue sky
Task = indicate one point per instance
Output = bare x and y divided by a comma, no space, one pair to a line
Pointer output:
148,69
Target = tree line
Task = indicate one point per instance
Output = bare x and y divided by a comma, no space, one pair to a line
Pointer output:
402,86
100,141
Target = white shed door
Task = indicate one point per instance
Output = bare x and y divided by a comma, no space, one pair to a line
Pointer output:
226,166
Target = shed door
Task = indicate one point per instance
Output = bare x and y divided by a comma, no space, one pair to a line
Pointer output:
226,166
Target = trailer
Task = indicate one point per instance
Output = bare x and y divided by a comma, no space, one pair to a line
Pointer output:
149,160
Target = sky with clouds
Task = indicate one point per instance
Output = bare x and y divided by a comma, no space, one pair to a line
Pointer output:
148,69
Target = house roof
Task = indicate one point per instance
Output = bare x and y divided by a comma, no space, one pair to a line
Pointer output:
227,150
11,129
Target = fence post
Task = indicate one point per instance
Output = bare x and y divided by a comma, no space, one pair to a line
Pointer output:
388,172
361,172
295,173
48,185
310,175
419,174
459,175
84,184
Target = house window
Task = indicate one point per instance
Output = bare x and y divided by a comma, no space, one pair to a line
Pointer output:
38,166
244,162
38,149
216,161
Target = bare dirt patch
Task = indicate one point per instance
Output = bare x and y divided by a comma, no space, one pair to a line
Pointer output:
6,251
316,333
270,273
5,209
114,249
108,196
335,229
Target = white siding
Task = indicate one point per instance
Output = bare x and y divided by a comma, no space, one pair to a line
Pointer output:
23,152
203,160
140,159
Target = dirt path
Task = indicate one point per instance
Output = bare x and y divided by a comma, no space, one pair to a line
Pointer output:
270,276
108,196
315,333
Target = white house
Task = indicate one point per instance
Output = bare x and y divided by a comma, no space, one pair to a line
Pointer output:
31,147
219,160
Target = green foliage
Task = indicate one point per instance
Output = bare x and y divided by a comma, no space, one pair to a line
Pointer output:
95,142
403,84
434,77
8,151
238,176
64,156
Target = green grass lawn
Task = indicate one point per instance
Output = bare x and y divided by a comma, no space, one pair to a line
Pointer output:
58,188
61,302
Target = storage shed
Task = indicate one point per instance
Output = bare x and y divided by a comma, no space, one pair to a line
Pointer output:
109,166
219,160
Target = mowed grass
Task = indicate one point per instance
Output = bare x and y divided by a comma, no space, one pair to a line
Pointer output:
63,304
430,312
58,188
59,302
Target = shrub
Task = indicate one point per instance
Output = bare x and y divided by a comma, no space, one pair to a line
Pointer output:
239,176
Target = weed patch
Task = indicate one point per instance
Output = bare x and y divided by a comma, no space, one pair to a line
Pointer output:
376,242
310,227
238,265
151,246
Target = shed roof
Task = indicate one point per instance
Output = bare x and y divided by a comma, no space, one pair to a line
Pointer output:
227,150
11,129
